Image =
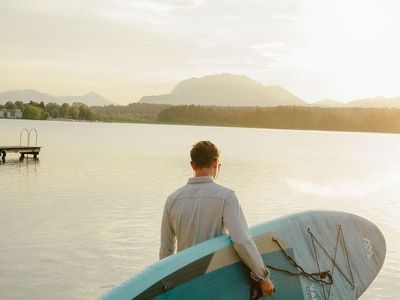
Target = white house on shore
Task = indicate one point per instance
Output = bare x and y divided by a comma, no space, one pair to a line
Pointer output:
10,114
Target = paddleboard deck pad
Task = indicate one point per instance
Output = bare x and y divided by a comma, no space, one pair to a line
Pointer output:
314,255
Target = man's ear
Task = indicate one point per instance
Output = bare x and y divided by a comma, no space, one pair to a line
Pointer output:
193,165
214,164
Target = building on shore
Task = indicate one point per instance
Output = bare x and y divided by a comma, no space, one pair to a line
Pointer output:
10,114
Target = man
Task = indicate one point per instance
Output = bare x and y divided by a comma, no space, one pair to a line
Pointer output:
203,209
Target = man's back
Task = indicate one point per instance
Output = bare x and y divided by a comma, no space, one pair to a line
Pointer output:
201,210
195,213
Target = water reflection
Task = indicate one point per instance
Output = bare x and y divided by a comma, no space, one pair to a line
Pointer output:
26,161
26,165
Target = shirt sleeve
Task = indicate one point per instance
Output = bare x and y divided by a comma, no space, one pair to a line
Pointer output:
243,242
167,246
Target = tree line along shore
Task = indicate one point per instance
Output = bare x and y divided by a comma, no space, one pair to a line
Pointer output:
281,117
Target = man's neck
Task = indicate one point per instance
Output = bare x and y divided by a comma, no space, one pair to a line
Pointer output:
203,172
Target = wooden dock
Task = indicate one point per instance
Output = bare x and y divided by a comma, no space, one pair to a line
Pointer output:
23,150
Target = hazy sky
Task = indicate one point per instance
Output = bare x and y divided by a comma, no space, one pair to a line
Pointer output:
126,49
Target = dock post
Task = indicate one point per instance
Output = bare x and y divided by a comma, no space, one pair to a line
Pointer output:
22,156
3,155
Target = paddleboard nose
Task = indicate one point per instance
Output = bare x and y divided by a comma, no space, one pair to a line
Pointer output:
368,252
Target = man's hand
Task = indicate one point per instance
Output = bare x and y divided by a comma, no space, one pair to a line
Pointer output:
267,287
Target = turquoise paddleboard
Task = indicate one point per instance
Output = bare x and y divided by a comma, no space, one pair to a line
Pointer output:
349,247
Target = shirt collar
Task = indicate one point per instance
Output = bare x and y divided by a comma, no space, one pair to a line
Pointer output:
200,179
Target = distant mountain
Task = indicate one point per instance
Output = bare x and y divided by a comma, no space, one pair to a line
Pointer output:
225,90
377,102
329,103
91,99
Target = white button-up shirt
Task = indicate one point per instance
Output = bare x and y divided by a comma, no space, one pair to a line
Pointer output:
202,210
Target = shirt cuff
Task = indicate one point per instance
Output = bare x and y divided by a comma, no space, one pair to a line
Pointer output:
266,275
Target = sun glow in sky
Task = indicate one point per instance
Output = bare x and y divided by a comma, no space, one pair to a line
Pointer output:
125,49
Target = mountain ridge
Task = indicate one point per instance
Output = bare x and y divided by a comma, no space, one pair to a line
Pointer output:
211,90
372,102
225,90
27,95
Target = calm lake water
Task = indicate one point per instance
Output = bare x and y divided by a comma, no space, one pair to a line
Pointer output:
86,216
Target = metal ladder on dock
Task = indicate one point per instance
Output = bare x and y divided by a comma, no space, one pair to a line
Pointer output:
28,143
28,135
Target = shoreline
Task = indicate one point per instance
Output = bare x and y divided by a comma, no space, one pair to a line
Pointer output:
207,125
